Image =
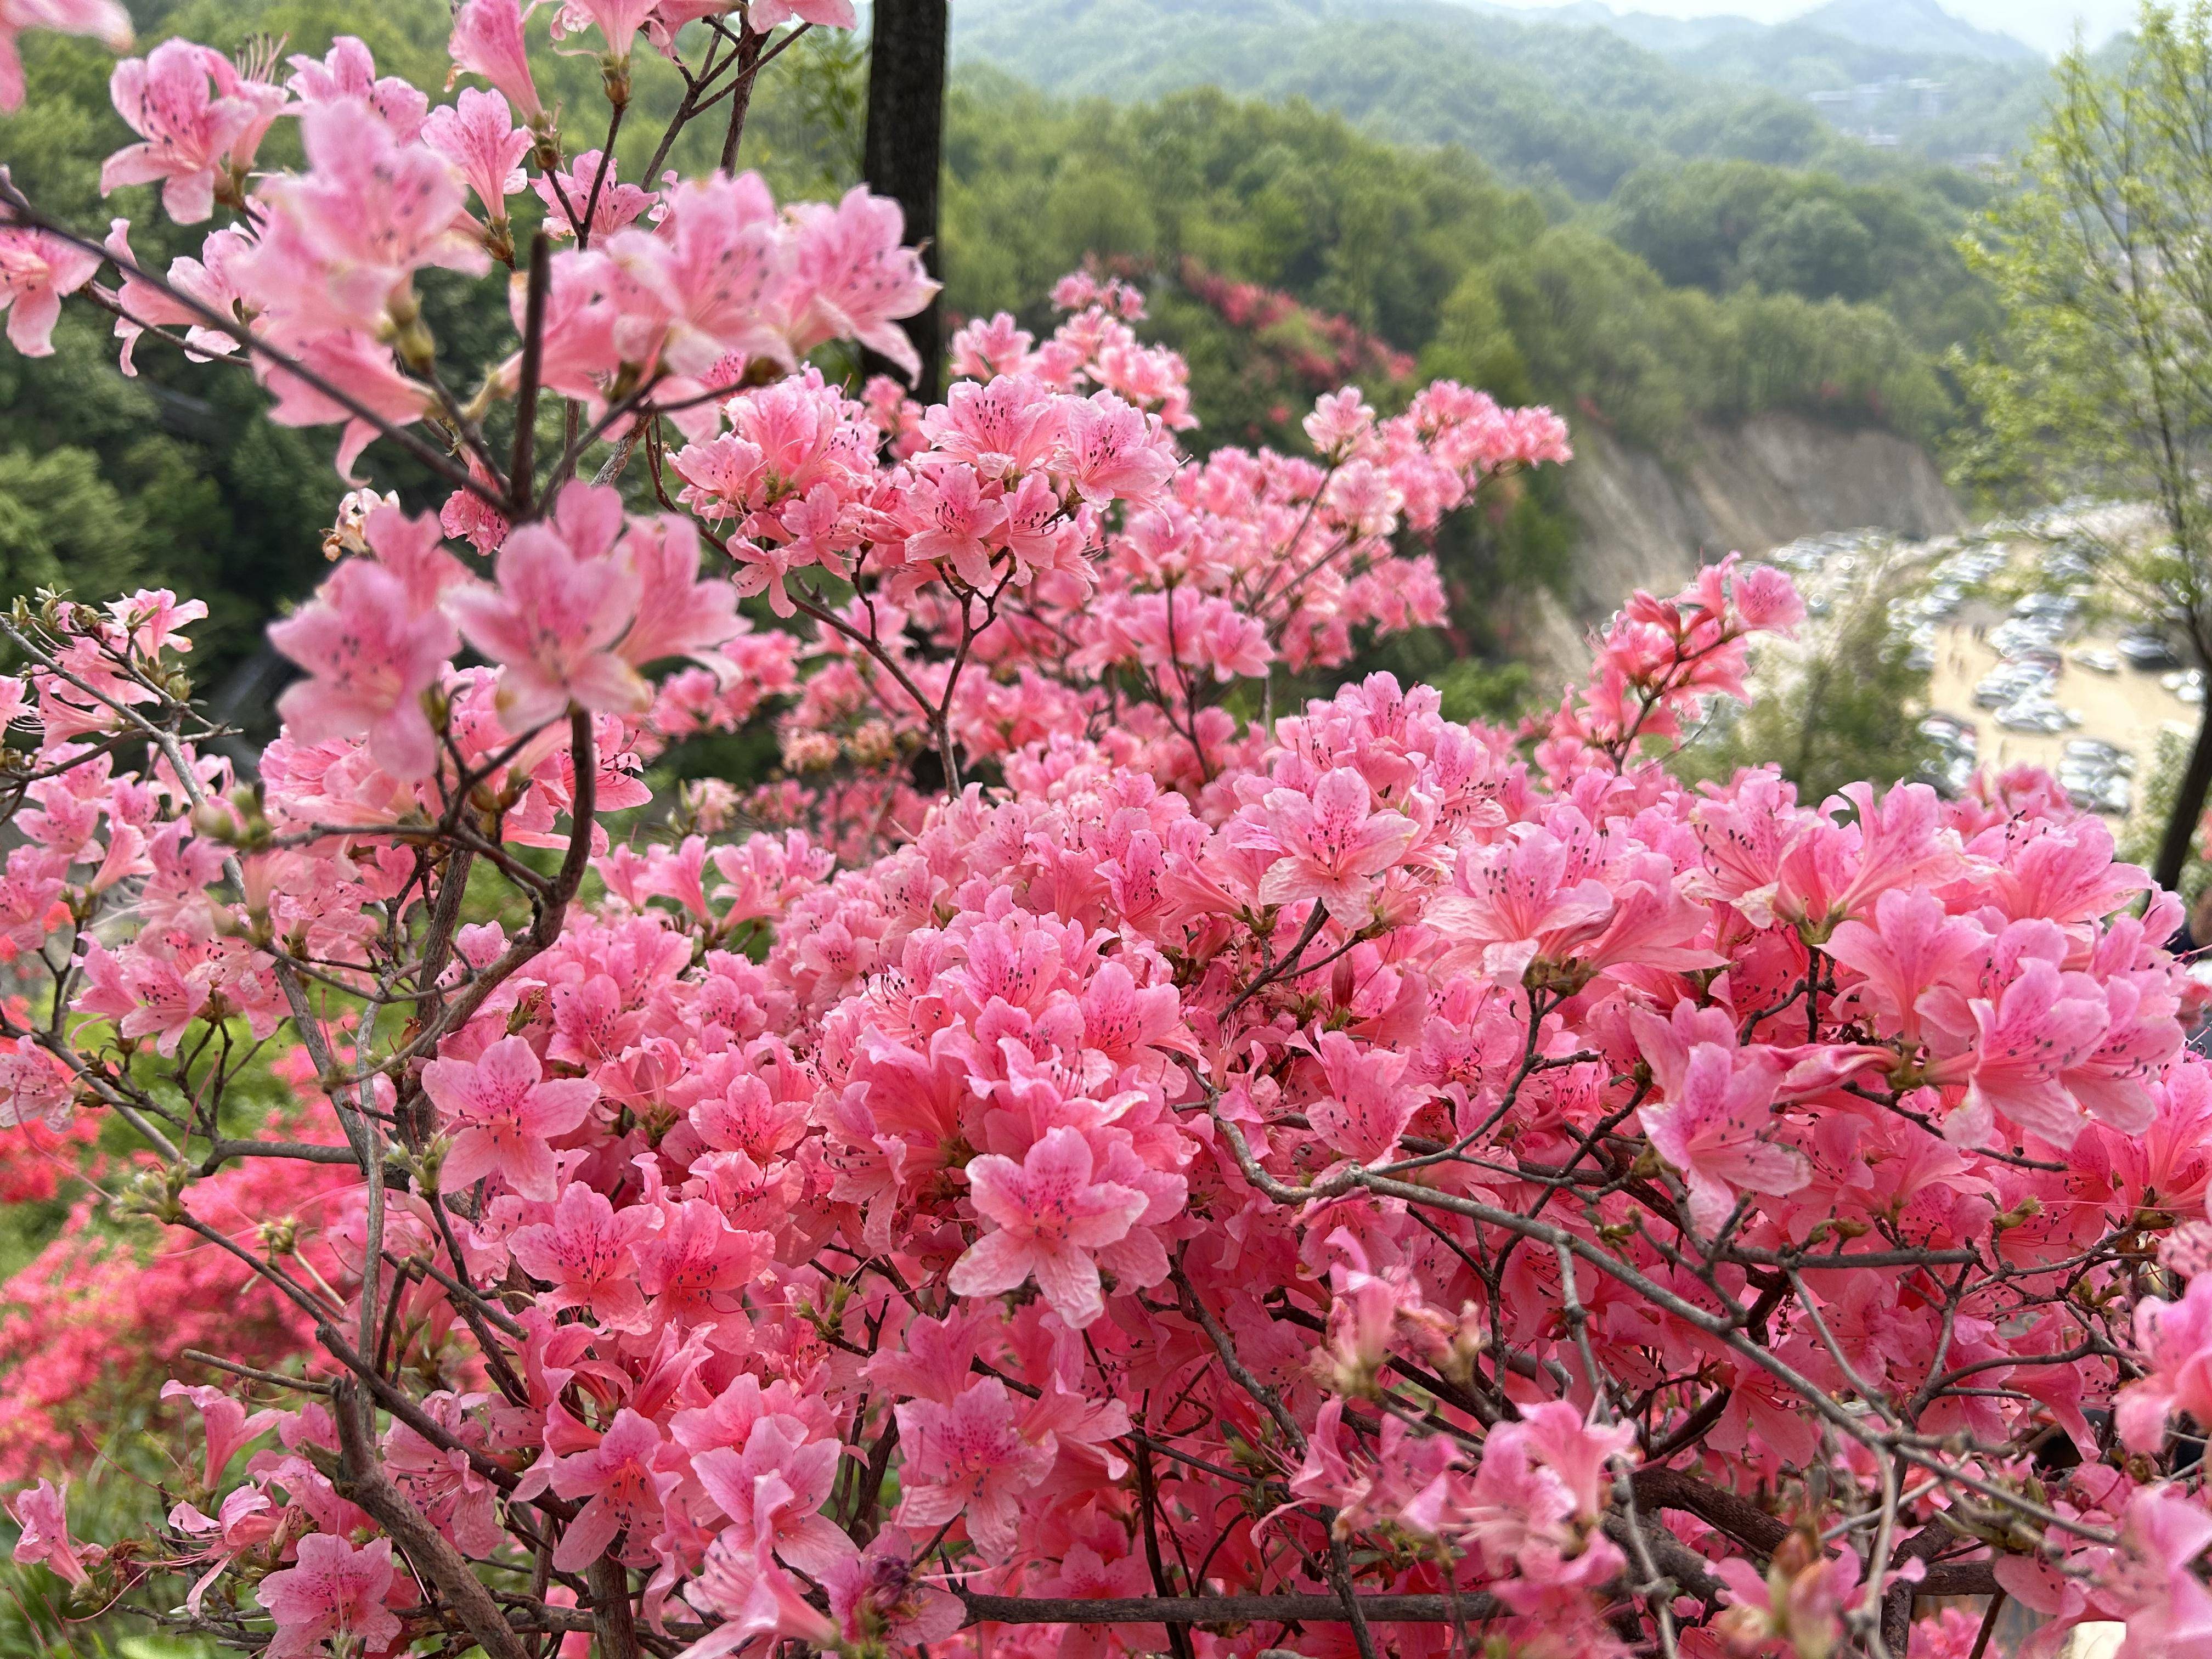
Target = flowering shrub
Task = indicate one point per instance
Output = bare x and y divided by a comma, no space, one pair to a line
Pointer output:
1114,1162
1326,349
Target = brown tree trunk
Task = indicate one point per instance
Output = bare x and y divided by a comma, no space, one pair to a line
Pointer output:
904,151
2188,807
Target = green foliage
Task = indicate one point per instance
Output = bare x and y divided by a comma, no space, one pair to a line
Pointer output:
1281,195
2095,380
1589,323
62,525
1847,709
1549,100
1724,225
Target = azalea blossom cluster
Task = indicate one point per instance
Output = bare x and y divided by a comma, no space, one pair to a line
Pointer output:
1111,1165
1327,350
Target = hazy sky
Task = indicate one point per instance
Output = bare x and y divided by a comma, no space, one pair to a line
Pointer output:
2045,24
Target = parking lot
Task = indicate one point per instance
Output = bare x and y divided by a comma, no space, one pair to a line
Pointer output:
2029,658
2124,708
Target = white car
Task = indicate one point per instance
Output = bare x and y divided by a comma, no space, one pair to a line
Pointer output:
2100,792
2033,713
2095,754
2097,659
2010,682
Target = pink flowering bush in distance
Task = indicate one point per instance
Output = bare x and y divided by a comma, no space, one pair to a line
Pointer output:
1086,1155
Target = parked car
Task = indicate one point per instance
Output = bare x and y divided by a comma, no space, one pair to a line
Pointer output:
2096,753
2100,791
2147,651
2009,681
2097,659
2033,712
2023,635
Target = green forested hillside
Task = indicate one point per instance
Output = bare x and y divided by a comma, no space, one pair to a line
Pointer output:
1425,247
1722,226
1573,101
1573,107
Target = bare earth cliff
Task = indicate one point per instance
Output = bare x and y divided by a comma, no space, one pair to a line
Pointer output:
1750,488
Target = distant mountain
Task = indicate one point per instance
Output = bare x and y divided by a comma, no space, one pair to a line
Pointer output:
1899,28
1576,96
1914,26
1667,36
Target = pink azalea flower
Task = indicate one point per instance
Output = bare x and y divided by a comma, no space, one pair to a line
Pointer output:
503,1115
857,275
212,280
356,362
37,271
348,70
104,19
617,21
1336,844
1340,420
246,1520
1767,599
1913,944
878,1595
2164,1532
1799,1603
697,1265
1514,901
778,1458
487,40
1576,1450
370,655
562,603
959,525
1084,1574
703,284
146,994
34,1087
740,1584
618,203
195,114
678,615
586,1253
1116,453
969,1458
1366,1108
476,133
626,1493
1711,1128
413,550
2175,1340
466,516
228,1427
42,1511
344,239
822,14
1052,1218
334,1591
2042,1023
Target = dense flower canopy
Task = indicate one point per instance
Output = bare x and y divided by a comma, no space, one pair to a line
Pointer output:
1085,1153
